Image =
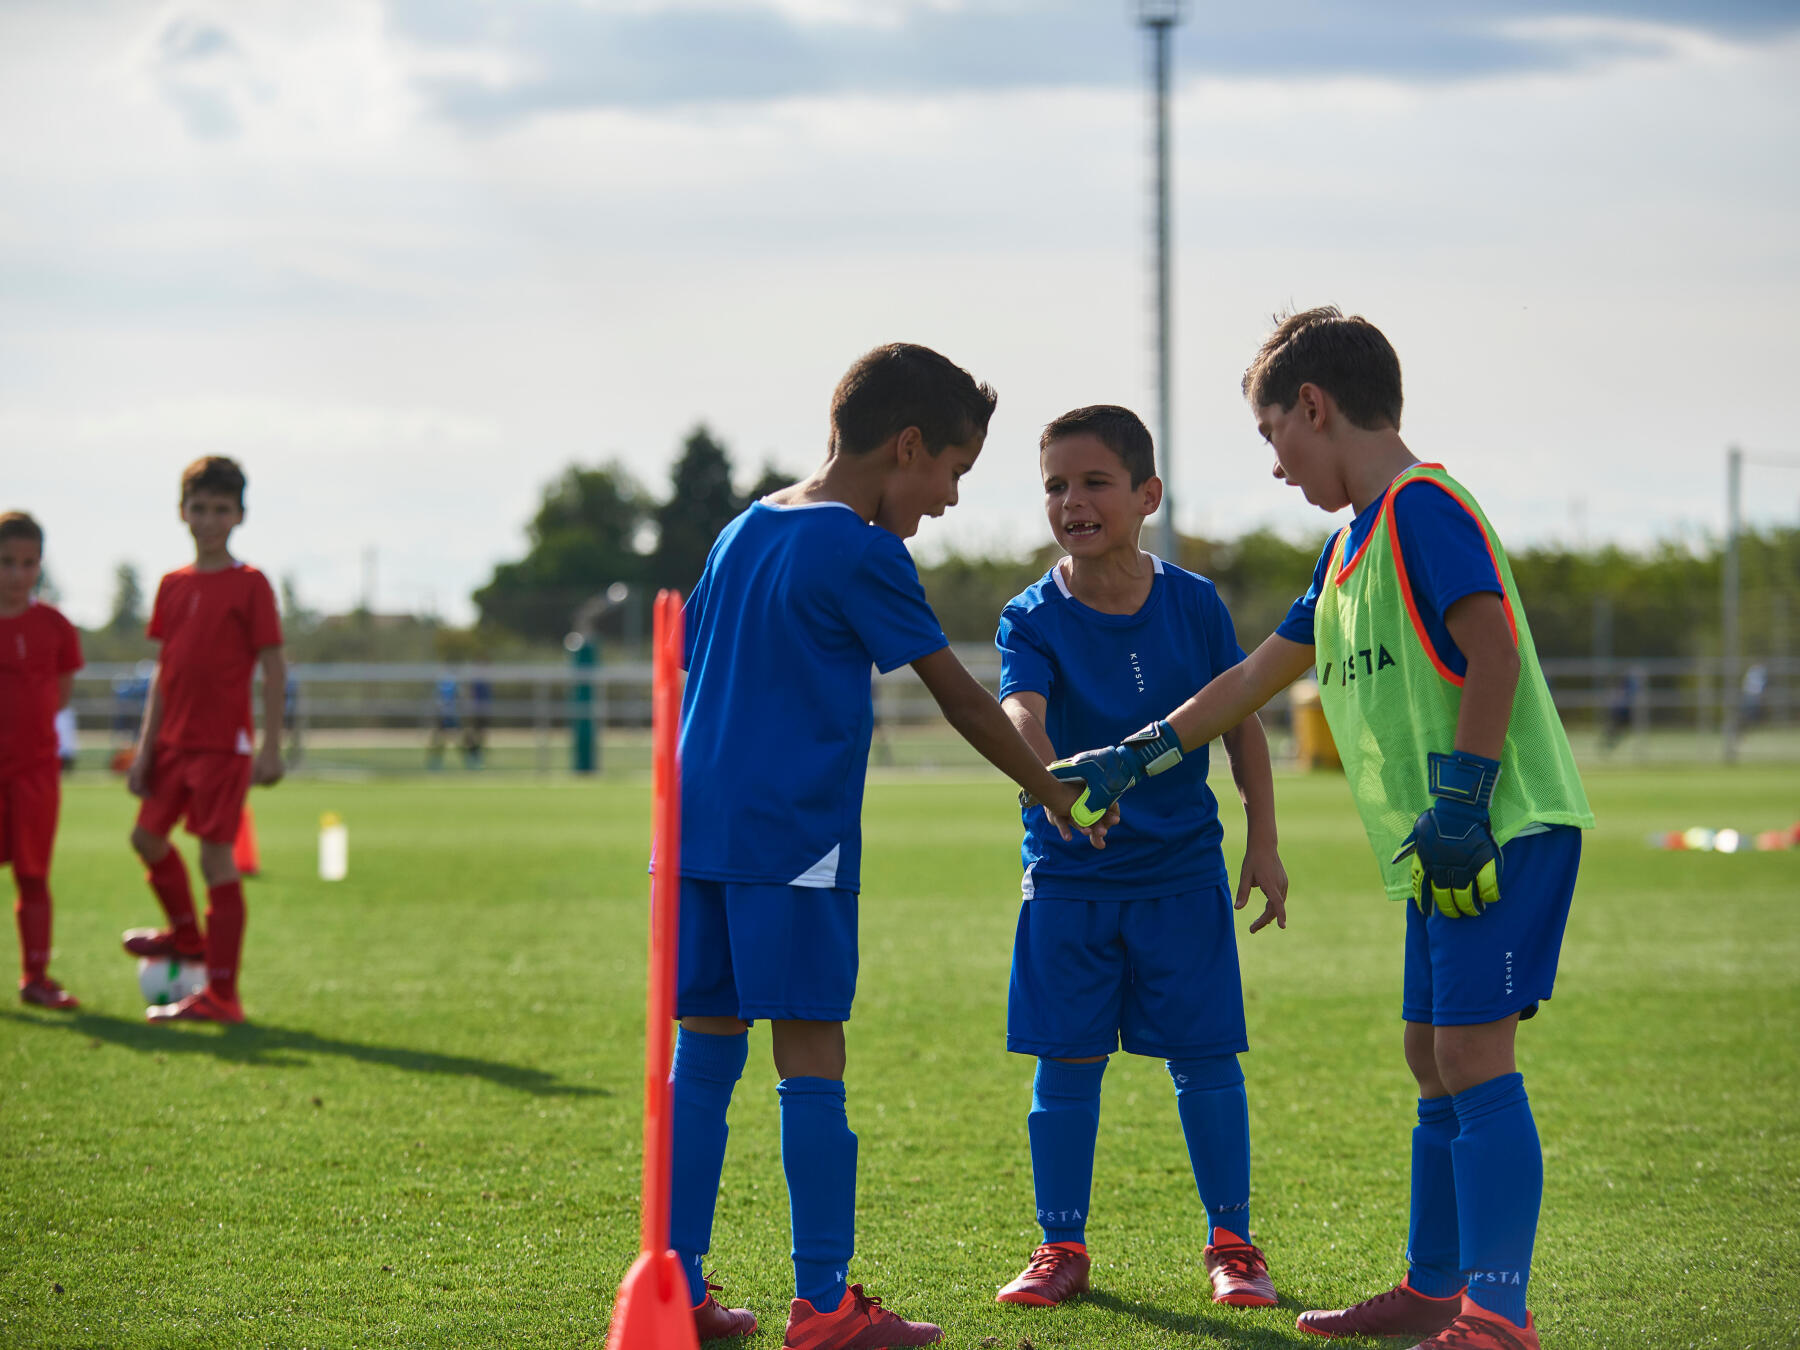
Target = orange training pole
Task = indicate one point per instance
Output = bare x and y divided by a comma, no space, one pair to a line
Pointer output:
651,1311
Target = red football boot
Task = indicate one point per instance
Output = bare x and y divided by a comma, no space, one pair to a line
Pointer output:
204,1006
713,1321
1056,1271
47,993
1475,1328
1401,1311
160,942
1239,1273
858,1323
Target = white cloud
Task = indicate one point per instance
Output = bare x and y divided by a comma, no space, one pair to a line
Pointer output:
404,332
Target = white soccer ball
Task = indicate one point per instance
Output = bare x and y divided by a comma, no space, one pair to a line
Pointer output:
168,979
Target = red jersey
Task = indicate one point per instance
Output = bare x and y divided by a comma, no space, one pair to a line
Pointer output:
36,647
211,625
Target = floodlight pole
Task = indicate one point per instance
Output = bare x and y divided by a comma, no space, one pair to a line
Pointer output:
1733,658
1159,17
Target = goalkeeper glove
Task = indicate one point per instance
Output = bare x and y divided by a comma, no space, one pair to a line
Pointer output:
1108,773
1455,861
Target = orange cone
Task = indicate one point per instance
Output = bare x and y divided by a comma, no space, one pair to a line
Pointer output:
651,1311
243,849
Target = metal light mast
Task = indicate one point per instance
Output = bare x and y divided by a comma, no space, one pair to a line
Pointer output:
1158,18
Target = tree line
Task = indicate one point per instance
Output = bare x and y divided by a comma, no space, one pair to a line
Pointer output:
597,526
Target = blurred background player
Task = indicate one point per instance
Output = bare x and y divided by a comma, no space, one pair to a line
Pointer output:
1132,945
802,593
446,719
1468,792
40,652
196,756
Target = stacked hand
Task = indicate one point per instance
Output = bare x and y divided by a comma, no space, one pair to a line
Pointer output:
1107,774
1455,861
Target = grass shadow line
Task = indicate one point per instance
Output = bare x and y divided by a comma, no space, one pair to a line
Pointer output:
266,1046
1223,1325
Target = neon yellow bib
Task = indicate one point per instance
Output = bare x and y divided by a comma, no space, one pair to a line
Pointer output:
1390,700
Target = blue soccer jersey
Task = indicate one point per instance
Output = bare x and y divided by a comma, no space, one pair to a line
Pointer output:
795,605
1446,555
1104,676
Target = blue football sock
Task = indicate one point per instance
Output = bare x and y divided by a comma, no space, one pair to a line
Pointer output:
705,1070
1499,1186
1064,1119
1433,1253
1215,1117
818,1154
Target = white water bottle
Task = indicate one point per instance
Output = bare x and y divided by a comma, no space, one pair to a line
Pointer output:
334,847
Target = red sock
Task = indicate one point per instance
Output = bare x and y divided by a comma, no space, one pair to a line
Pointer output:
32,910
224,936
169,879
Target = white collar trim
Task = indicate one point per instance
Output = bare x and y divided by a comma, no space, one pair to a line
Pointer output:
1062,582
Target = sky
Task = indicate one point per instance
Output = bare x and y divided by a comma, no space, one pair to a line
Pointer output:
407,259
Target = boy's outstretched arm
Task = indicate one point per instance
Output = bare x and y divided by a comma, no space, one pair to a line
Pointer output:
1216,709
1027,712
1240,691
1248,748
978,719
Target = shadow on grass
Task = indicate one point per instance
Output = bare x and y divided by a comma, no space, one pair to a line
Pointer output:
268,1046
1223,1325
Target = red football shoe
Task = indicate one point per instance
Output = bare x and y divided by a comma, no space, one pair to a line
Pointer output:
713,1321
160,942
1401,1311
858,1323
1239,1273
47,993
1475,1328
1056,1271
204,1006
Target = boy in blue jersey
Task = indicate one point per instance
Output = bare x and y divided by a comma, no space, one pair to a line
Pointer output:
1468,792
802,593
1133,946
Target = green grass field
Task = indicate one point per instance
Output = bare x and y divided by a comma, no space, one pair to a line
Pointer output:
428,1136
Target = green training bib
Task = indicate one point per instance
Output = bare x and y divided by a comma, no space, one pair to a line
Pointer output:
1390,701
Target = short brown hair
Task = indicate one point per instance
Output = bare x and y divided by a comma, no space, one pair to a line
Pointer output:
1119,429
900,385
213,473
1347,357
19,525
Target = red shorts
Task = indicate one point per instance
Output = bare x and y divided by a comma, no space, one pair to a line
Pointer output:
28,804
206,786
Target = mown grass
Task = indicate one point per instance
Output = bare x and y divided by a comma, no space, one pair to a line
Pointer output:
427,1136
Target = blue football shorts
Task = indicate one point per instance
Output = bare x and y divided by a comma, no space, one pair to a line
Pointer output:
1462,972
780,952
1158,977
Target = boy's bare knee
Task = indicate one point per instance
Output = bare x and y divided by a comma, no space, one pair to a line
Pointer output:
809,1049
1472,1055
216,863
152,848
1421,1058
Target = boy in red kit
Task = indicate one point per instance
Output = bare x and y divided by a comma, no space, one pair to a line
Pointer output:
217,622
39,655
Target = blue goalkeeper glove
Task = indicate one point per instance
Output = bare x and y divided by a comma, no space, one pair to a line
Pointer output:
1108,773
1455,861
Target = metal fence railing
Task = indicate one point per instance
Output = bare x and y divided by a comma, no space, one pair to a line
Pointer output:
400,717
